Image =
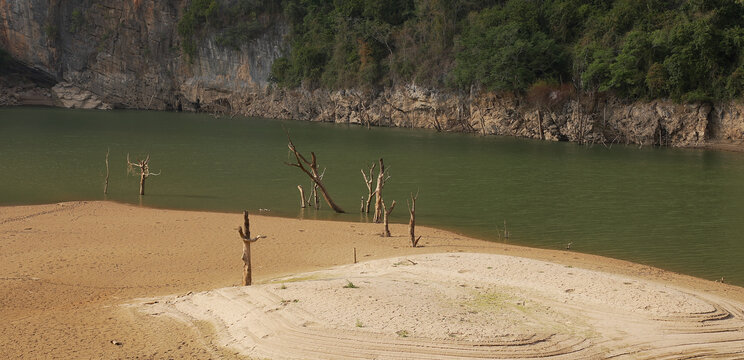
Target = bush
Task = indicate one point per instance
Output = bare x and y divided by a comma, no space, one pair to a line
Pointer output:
77,21
194,19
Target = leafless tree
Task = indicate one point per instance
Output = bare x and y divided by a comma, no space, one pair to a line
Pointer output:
388,211
105,183
412,221
381,179
368,181
303,164
247,240
144,171
302,196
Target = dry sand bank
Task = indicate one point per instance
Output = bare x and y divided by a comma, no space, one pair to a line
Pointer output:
66,269
463,306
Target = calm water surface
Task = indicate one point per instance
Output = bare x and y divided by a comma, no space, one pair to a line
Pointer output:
673,208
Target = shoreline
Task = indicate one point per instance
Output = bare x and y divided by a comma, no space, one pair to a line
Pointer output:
67,267
714,144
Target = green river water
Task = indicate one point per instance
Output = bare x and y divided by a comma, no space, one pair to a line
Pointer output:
677,209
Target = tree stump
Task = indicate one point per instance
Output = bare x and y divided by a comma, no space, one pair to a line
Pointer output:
105,183
302,196
412,221
386,233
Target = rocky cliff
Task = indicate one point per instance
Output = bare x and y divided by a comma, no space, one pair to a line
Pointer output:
126,54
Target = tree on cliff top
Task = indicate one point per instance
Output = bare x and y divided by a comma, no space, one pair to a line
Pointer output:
683,49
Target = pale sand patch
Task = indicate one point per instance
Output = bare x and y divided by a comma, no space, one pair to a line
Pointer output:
464,305
65,269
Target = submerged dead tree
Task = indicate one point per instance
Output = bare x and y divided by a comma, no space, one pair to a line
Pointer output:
378,192
105,183
368,181
312,172
302,196
386,233
247,240
412,221
314,194
144,171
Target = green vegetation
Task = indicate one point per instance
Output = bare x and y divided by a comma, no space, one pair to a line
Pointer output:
350,285
51,32
235,22
77,20
688,50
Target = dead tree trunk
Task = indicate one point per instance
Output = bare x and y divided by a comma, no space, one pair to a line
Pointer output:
412,221
302,162
368,182
378,193
247,240
105,183
302,196
314,195
386,233
144,169
540,124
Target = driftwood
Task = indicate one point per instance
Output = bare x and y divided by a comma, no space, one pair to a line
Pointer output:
368,181
412,221
247,240
303,164
378,192
105,183
386,233
144,170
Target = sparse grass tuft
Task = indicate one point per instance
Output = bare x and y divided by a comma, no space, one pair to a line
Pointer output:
359,323
402,333
350,285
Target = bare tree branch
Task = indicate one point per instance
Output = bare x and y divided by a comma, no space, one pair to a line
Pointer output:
312,172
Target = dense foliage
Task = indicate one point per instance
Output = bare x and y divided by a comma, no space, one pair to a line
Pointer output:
683,49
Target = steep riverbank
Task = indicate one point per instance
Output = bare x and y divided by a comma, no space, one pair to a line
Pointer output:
67,268
127,55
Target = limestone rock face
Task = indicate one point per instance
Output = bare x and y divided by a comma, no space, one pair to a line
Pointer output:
128,53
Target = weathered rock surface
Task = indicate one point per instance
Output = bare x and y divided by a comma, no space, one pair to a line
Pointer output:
126,54
73,97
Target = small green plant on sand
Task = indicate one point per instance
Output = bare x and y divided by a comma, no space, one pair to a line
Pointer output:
359,323
402,333
284,286
350,285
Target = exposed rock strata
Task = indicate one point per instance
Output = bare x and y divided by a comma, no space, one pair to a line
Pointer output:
72,97
592,120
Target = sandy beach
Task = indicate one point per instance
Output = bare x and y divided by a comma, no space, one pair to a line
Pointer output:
107,280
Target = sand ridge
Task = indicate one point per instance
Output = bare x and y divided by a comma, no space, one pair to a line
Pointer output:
460,306
66,270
